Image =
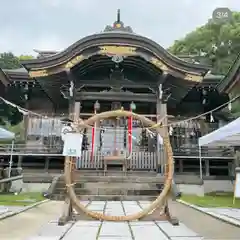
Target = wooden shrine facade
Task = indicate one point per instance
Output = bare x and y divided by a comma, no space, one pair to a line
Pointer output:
115,66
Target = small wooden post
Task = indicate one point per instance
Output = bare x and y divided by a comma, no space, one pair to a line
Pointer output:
161,118
68,208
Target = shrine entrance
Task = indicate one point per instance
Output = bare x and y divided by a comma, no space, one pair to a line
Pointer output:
114,139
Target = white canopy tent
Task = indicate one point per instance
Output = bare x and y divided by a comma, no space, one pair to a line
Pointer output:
228,135
7,135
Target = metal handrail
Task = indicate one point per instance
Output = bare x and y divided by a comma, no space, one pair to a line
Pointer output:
25,147
177,150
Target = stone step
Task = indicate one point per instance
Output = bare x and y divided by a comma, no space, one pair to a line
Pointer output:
58,197
110,185
158,179
117,179
39,176
112,172
47,178
110,191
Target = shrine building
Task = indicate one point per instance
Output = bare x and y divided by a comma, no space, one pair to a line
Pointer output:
113,69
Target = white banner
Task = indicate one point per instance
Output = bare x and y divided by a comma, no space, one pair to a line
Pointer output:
73,145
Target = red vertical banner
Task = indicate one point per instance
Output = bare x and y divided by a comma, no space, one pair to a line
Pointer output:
93,139
130,134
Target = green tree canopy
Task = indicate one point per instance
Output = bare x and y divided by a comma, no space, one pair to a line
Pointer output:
8,114
9,61
214,43
25,57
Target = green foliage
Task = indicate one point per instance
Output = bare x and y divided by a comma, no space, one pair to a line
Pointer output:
19,131
236,108
235,91
9,115
25,57
213,199
9,61
225,36
22,199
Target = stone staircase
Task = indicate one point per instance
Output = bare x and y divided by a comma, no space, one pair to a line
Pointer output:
114,186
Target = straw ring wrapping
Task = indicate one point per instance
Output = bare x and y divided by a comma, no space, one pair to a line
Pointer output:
160,200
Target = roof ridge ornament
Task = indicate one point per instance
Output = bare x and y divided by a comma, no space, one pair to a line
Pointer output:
118,15
118,25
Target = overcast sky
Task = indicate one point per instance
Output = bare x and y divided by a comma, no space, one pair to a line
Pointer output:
55,24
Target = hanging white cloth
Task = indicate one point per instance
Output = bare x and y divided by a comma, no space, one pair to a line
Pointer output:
160,139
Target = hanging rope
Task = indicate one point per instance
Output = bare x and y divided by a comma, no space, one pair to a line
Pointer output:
83,124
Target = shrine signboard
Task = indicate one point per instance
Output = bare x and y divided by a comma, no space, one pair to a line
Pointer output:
73,145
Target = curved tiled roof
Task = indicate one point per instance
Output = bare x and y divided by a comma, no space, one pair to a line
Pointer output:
3,77
113,37
116,34
232,75
11,73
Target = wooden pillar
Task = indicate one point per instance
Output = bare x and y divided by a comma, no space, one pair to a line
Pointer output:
74,113
77,110
46,165
161,118
26,119
19,164
207,169
76,116
161,110
237,158
180,165
68,208
72,94
26,124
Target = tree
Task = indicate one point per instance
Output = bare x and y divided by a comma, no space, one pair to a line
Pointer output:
10,114
214,43
25,57
9,61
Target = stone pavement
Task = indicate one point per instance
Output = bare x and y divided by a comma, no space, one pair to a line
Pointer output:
25,224
204,224
5,210
231,215
137,230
